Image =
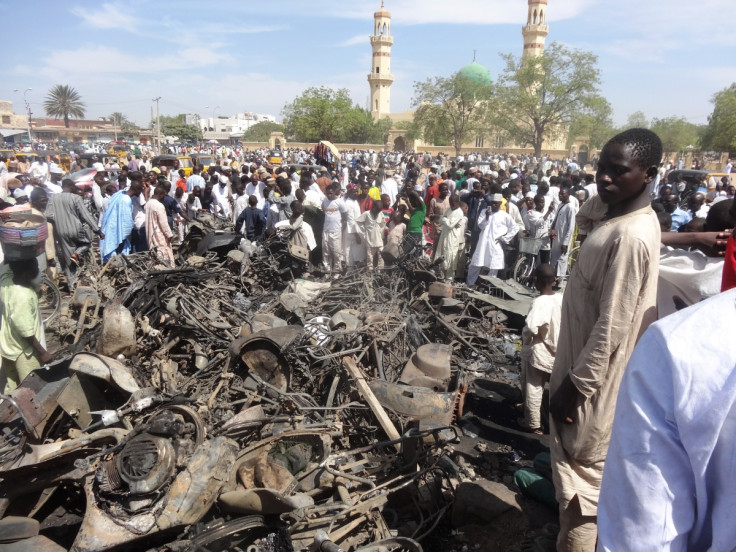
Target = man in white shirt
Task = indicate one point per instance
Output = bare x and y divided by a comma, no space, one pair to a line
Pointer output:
312,191
40,170
590,186
728,167
563,229
96,165
390,187
536,224
669,471
353,246
697,205
256,187
335,216
222,196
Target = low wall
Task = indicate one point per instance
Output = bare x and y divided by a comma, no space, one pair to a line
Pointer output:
433,150
310,145
450,151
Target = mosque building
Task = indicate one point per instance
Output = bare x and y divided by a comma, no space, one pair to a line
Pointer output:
380,80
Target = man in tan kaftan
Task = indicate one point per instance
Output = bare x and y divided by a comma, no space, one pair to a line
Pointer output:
609,301
158,232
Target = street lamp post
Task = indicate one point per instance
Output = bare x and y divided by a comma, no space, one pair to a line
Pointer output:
28,110
214,124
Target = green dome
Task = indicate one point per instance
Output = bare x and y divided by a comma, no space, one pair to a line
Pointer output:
477,73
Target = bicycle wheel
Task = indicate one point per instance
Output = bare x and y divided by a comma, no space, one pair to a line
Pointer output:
49,300
571,260
524,270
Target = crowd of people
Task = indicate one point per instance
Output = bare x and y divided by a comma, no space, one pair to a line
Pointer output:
632,449
653,249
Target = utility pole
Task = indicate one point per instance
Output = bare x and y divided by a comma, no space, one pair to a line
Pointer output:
158,124
152,123
28,110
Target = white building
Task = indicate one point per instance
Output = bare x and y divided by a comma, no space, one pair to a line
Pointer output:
225,128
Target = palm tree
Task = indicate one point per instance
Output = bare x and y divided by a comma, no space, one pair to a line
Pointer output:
63,101
118,120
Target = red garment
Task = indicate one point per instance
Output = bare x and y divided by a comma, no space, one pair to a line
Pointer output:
432,191
182,183
728,279
388,215
365,204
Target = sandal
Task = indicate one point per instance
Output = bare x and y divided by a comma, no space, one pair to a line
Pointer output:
525,426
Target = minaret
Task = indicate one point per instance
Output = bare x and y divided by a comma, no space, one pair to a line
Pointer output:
536,29
380,77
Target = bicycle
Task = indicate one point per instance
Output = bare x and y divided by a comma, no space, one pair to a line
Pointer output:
527,262
49,300
571,260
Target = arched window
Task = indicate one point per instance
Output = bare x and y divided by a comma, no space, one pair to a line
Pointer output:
384,29
529,17
541,17
535,17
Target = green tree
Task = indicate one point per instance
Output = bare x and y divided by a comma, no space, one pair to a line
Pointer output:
538,96
597,125
362,129
720,133
327,114
318,114
413,131
676,134
176,126
261,132
451,110
64,101
636,120
122,124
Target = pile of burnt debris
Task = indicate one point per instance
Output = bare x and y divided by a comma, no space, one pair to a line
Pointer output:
227,404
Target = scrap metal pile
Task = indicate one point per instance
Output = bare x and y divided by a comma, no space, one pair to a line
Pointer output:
224,405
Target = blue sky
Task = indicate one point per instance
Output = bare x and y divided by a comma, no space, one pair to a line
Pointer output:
661,57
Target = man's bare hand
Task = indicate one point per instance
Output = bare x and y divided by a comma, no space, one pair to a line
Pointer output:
46,358
563,403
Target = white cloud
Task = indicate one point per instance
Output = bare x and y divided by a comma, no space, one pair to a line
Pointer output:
474,12
107,60
663,28
108,17
354,41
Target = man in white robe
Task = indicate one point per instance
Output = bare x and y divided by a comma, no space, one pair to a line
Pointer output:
222,196
563,230
496,227
355,252
451,237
